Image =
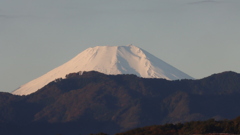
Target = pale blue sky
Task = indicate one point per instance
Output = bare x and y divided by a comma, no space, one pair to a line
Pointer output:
199,37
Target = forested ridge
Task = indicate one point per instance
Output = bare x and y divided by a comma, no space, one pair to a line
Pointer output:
93,102
210,127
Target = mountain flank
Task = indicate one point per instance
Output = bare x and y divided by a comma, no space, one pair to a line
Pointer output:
93,102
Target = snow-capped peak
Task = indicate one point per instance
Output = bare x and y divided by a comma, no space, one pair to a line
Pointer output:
109,60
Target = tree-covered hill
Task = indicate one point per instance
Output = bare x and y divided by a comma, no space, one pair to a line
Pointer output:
93,102
208,127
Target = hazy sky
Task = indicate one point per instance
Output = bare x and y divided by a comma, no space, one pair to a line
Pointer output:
199,37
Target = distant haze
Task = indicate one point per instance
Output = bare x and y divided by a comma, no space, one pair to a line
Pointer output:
198,37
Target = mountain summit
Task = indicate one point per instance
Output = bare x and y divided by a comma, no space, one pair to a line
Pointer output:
109,60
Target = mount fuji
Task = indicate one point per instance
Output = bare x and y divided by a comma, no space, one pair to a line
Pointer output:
109,60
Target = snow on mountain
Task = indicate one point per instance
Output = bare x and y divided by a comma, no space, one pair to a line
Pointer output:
109,60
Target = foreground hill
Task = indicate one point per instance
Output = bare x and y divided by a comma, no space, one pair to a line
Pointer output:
208,127
93,102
